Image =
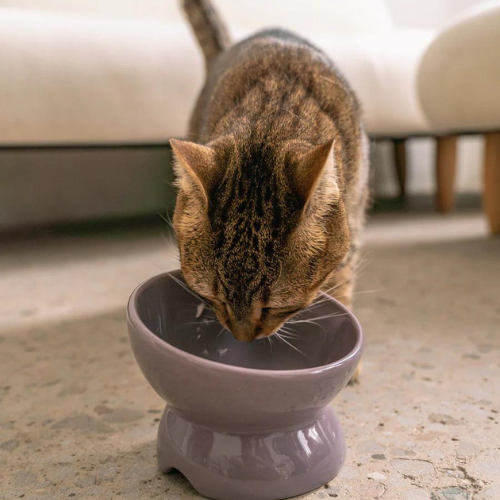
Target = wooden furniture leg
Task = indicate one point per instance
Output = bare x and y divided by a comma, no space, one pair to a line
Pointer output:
491,194
446,158
400,164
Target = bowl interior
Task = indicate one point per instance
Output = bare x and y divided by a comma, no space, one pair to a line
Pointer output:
320,335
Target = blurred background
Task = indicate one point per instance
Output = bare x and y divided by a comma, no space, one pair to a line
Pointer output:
92,91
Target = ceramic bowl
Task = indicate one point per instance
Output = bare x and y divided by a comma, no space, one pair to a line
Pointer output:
244,421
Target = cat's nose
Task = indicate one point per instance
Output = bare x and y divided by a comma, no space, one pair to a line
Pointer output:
244,332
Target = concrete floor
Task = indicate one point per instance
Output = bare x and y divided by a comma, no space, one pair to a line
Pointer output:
77,419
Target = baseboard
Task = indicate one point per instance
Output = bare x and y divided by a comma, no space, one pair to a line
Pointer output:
63,185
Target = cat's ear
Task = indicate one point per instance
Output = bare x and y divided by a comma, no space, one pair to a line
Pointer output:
310,167
197,165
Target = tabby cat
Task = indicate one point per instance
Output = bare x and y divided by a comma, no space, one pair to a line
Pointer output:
272,184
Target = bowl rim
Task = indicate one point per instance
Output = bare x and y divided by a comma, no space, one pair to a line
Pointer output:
135,321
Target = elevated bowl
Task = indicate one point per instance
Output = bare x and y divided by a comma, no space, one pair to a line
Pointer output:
244,421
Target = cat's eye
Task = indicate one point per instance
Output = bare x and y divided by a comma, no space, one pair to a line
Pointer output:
214,302
280,311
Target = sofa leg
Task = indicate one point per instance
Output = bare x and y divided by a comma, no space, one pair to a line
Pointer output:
446,158
400,164
492,180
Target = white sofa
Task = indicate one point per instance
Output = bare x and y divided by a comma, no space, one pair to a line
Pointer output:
133,76
459,90
122,71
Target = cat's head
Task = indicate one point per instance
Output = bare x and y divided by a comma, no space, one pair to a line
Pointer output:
259,228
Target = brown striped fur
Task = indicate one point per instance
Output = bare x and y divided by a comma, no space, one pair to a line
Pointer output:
208,28
273,186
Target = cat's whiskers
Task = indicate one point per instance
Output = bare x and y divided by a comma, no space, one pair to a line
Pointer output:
202,322
171,234
219,334
166,219
171,244
270,343
325,316
361,292
316,302
279,336
354,274
303,321
170,221
324,300
183,285
329,291
288,336
287,329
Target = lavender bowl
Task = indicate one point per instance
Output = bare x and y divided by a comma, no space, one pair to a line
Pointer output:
244,421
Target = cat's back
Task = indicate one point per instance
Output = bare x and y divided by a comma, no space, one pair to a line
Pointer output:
275,54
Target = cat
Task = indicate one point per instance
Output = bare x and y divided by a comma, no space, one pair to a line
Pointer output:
273,181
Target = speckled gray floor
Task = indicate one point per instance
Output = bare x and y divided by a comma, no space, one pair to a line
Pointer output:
77,419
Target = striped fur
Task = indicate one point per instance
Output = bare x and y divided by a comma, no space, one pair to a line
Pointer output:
208,28
258,237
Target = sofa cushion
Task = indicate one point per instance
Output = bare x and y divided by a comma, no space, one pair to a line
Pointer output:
335,16
73,79
382,69
459,77
70,79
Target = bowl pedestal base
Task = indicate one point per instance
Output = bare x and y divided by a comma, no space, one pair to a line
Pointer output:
252,466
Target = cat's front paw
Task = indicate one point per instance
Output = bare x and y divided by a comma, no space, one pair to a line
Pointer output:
355,379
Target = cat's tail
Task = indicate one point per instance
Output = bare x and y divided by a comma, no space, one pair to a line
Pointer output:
208,28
